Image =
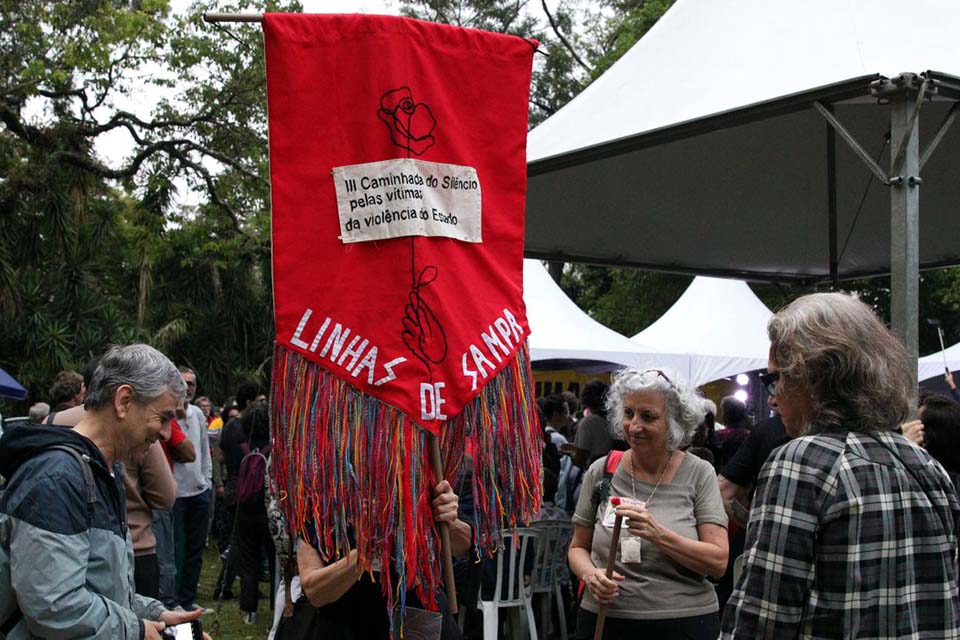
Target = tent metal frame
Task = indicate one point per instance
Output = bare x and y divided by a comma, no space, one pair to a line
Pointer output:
905,95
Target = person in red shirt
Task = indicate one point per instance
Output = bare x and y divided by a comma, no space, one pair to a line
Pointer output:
178,448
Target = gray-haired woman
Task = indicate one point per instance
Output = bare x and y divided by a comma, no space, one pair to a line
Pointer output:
674,524
852,531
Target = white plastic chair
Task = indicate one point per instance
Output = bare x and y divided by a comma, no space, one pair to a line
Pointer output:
550,569
510,591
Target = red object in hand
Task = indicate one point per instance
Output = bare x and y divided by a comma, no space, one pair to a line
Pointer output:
615,501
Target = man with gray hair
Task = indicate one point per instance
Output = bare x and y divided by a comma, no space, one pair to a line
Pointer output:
39,412
66,560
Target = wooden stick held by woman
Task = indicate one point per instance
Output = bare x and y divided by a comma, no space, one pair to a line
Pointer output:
444,532
611,561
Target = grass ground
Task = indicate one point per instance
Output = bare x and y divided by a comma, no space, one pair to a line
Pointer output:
231,620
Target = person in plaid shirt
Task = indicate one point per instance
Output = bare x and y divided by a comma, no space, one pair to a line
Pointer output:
853,529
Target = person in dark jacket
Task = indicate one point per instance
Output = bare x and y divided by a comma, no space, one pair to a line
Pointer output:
726,442
253,531
66,559
230,445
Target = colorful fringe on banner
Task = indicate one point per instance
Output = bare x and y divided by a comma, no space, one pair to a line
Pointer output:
347,463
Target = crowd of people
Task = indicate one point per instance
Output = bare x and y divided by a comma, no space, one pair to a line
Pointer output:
835,517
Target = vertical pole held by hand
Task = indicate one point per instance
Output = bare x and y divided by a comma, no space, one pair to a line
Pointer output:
943,349
611,561
444,530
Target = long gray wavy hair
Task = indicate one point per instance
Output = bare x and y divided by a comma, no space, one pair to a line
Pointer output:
835,347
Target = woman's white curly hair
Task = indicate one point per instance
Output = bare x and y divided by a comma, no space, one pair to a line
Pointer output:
684,406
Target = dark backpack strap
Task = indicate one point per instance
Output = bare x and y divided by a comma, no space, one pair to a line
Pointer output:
11,622
50,416
84,461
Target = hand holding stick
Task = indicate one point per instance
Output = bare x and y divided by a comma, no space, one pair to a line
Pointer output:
446,550
943,352
611,561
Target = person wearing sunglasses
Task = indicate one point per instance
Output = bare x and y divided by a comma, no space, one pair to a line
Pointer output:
738,476
674,528
853,528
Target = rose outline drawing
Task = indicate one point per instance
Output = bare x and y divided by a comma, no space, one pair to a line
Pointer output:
410,123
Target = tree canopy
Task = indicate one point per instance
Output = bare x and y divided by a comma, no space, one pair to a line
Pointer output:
98,251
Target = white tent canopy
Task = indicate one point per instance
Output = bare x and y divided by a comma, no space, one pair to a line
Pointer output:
718,326
715,329
931,366
705,57
560,330
702,150
764,140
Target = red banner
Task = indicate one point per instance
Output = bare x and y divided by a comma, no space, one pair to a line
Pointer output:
398,168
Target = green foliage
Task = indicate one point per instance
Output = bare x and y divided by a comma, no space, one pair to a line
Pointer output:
95,253
939,300
626,300
554,78
615,37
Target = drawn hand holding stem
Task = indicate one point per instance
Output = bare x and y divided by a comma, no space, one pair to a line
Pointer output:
411,126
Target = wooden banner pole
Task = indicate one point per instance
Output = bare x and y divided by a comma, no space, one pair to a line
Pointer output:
444,531
232,17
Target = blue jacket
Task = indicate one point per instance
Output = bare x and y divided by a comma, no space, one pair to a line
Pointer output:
66,562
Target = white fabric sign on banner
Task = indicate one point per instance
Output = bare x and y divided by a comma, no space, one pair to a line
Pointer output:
407,197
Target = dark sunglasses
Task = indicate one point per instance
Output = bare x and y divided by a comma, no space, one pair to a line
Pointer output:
769,380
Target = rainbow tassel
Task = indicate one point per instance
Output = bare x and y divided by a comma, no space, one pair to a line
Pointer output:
345,461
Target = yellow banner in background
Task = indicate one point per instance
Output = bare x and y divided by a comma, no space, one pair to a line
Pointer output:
559,380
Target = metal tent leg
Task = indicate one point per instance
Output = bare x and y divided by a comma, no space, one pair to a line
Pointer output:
905,224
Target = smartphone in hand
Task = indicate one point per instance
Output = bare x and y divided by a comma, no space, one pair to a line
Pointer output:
192,630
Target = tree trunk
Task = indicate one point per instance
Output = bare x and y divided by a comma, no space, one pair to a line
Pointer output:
143,293
556,270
